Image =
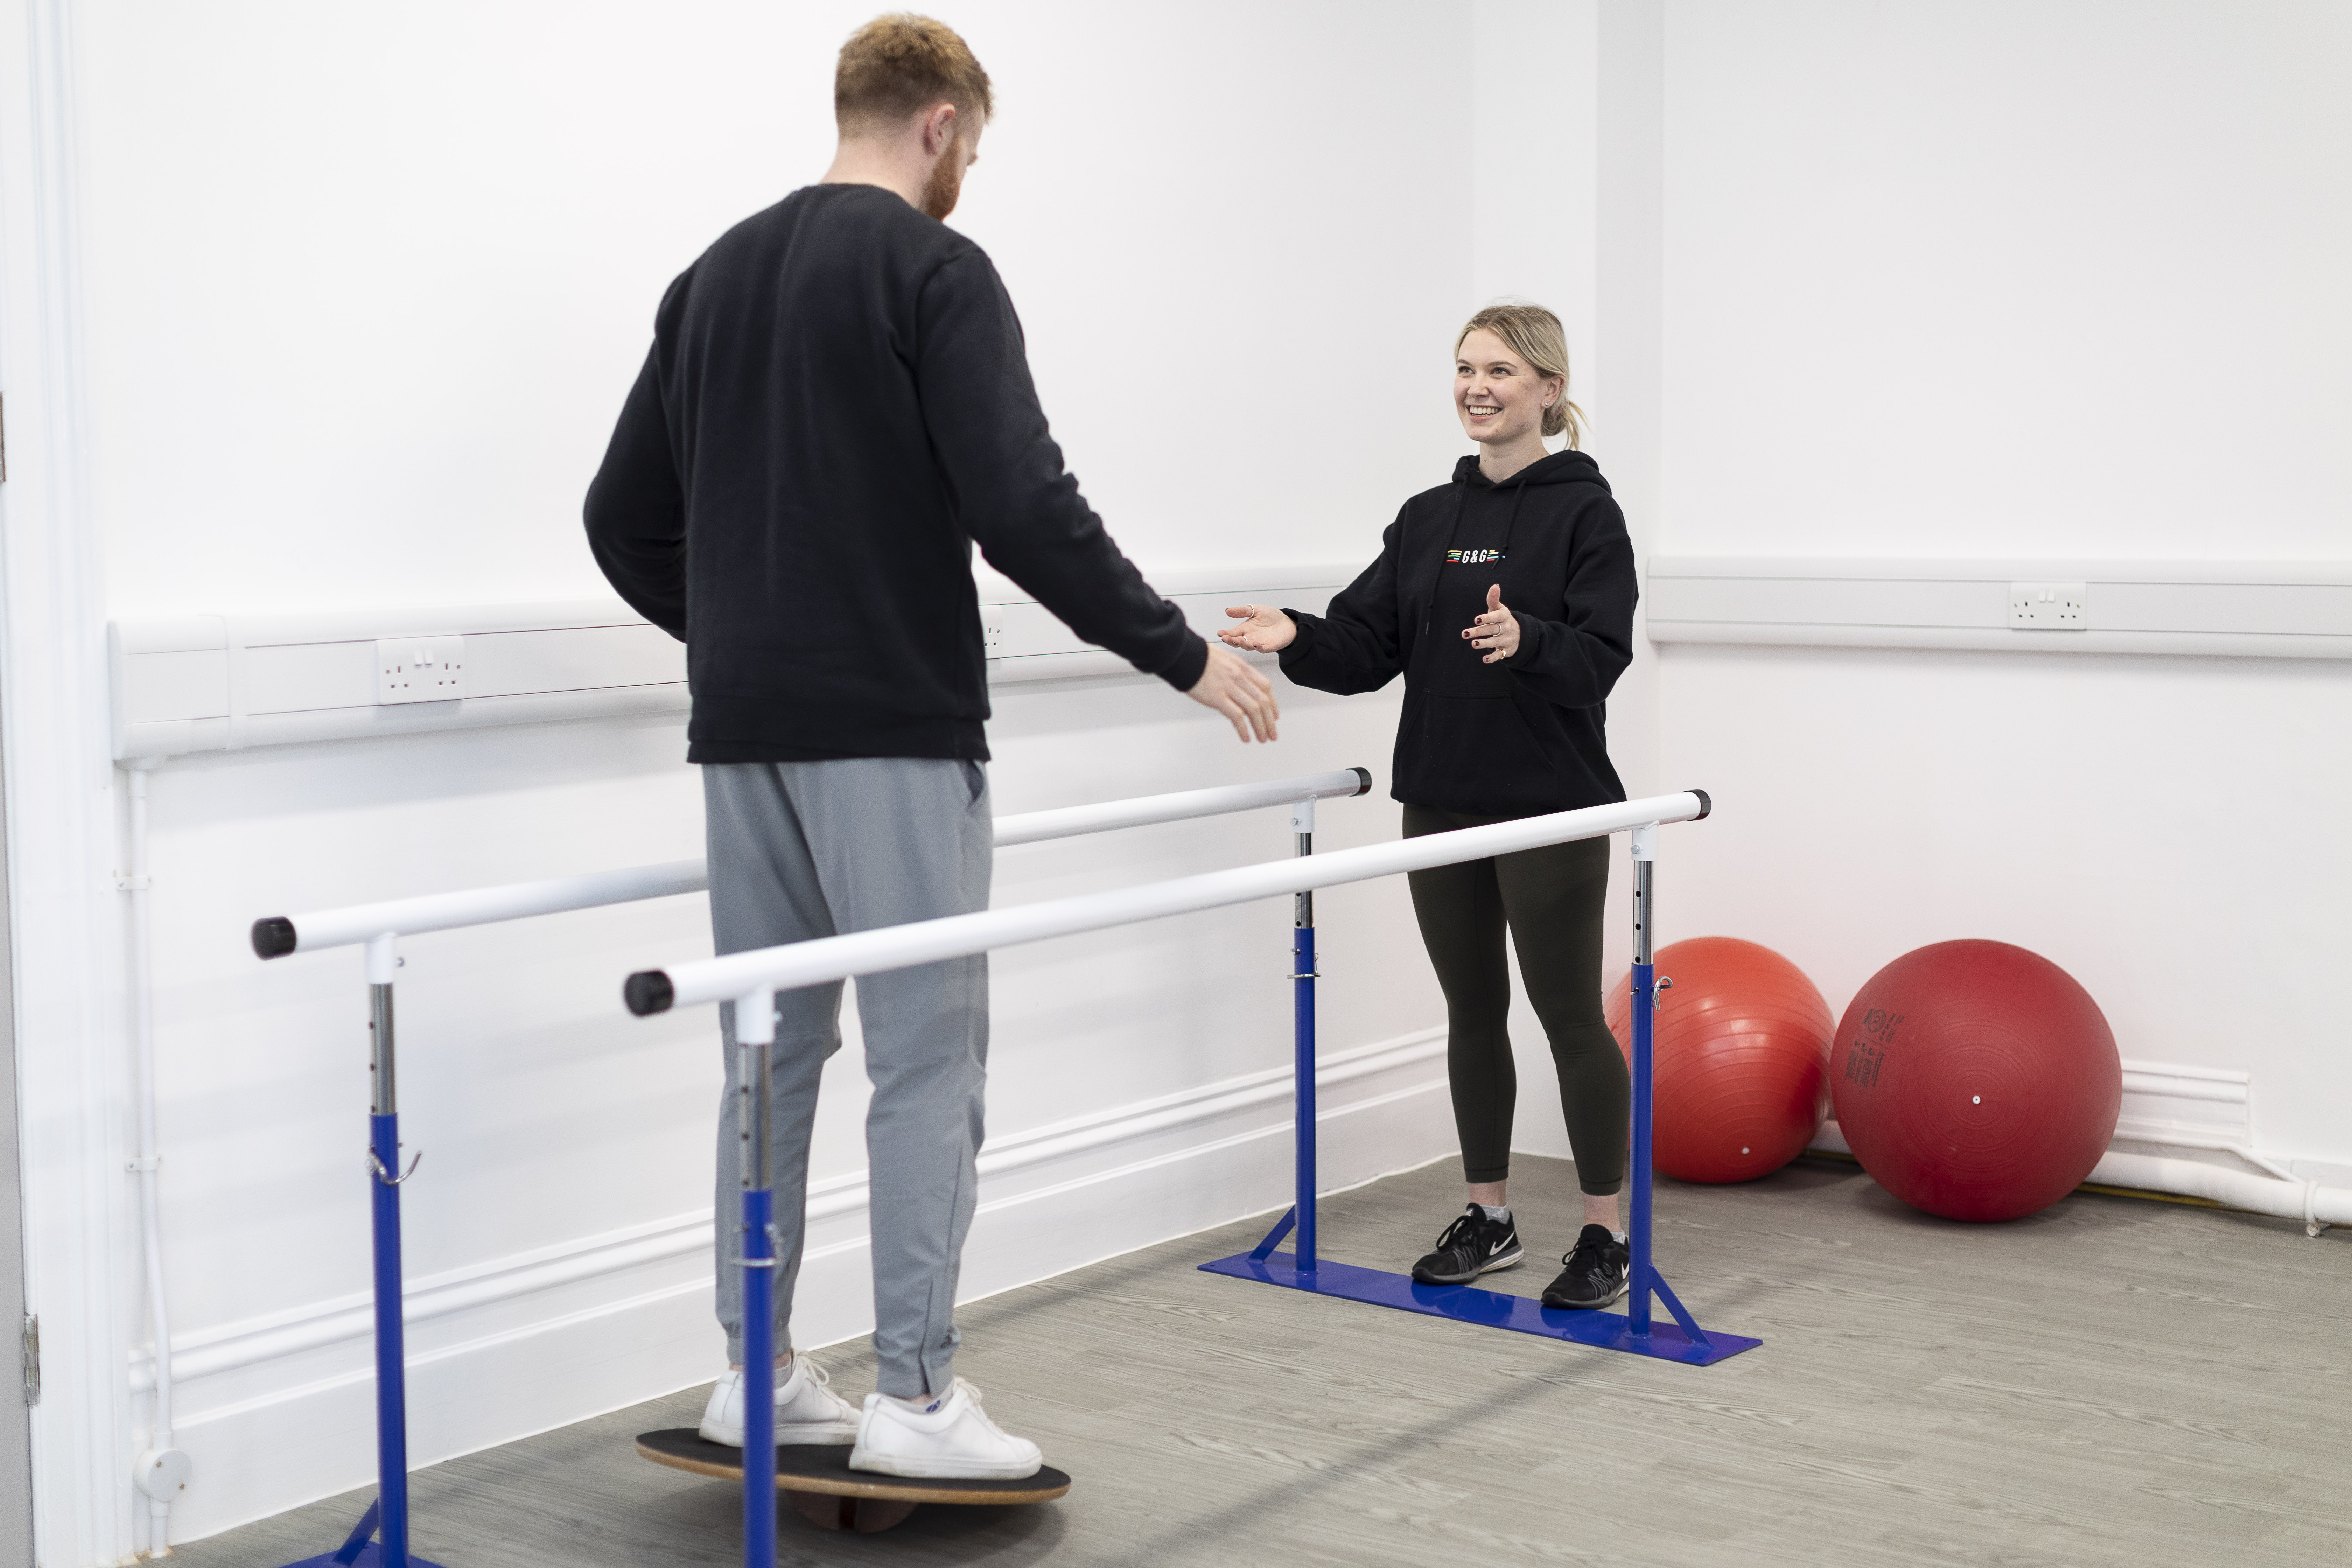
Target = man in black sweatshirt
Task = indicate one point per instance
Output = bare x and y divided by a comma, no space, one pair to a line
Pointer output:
836,407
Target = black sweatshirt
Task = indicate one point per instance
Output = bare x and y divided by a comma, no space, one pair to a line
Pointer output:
836,407
1517,738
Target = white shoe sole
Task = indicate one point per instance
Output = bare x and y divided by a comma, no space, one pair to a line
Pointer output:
943,1469
799,1435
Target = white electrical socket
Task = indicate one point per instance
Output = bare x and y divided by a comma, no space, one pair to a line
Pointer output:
991,631
2048,607
420,669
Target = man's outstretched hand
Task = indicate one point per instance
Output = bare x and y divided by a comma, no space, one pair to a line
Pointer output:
1233,688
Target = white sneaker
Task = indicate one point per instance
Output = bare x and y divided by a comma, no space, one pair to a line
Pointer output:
807,1409
954,1438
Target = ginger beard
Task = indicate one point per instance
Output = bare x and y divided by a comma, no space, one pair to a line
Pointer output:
947,181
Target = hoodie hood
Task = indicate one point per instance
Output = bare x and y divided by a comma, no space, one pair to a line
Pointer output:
1567,467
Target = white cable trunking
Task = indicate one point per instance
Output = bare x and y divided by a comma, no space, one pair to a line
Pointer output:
214,682
2257,609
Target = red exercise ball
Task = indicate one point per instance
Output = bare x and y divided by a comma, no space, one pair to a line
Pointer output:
1976,1081
1740,1059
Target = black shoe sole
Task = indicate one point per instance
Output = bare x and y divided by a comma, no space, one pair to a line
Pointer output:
1561,1304
1493,1265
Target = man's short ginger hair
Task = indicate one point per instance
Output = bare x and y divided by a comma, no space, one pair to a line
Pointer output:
898,65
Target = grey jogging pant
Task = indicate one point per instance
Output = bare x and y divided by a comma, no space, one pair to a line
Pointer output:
809,849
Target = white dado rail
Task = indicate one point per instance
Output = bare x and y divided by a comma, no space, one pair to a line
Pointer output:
2264,609
210,682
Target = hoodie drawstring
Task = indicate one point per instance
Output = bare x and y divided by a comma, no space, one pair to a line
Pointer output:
1518,495
1461,489
1454,530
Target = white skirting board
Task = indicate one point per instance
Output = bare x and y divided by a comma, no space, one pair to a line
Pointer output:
280,1412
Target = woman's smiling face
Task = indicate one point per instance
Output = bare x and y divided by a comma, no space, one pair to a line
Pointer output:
1499,398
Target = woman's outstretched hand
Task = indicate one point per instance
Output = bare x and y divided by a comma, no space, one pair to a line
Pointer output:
1264,628
1497,629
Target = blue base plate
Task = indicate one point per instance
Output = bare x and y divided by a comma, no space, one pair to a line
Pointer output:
371,1556
1489,1308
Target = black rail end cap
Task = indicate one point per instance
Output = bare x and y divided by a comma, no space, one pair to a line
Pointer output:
648,991
1705,805
273,937
1365,775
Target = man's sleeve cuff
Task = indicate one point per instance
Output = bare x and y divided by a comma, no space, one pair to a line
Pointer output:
1185,673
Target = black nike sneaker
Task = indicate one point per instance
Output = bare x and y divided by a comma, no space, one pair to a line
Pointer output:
1595,1275
1472,1246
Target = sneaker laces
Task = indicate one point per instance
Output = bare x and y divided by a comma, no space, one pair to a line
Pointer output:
1462,1232
980,1410
1584,1245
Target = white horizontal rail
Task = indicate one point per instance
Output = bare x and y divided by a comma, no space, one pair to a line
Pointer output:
1069,821
795,964
278,935
281,934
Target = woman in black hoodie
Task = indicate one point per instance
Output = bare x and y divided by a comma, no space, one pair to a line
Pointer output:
1505,600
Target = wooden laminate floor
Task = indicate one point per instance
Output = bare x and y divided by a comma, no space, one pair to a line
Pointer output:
2113,1380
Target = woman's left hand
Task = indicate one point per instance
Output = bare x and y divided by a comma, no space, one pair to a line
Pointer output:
1497,629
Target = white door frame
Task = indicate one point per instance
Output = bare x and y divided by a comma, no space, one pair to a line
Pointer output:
16,1393
72,1052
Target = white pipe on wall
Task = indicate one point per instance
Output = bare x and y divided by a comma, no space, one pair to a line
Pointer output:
2315,1205
2288,1196
161,1470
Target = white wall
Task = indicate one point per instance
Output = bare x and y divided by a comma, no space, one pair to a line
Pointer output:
361,291
367,286
2020,279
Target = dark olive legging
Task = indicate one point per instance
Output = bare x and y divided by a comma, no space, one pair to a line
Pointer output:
1551,899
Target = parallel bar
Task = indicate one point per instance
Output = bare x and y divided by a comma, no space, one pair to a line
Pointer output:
281,934
926,941
1068,822
278,935
1634,1332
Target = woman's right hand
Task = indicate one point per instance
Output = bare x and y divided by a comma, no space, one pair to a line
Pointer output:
1263,630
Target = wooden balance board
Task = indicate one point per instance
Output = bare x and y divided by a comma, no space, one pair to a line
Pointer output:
831,1495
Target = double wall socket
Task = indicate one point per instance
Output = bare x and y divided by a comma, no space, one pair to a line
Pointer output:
2048,607
419,669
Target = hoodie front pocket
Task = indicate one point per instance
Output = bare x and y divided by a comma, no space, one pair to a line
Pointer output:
1471,754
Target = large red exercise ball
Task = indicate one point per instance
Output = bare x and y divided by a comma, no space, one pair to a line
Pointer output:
1740,1059
1975,1081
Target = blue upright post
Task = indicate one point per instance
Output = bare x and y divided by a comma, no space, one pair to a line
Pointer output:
391,1353
387,1517
1637,1225
755,1034
1642,1279
1302,990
